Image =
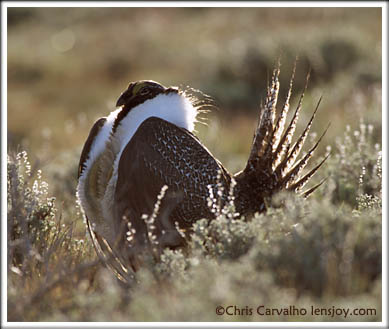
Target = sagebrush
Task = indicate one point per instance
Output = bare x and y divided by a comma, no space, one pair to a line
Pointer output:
319,252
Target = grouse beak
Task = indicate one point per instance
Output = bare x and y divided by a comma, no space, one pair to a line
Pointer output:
123,98
171,90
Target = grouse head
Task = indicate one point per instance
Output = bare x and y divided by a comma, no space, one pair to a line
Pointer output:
138,93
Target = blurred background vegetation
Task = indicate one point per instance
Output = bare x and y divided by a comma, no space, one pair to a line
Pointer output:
66,68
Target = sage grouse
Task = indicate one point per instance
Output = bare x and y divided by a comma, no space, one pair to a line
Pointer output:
148,144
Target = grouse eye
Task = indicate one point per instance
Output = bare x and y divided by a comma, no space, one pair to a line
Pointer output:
144,91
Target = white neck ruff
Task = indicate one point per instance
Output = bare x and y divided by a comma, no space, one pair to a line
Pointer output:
172,107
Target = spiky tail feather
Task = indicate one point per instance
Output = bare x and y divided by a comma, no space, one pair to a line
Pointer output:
272,165
110,258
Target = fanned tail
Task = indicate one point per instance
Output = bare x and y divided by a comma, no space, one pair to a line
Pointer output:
313,189
293,174
264,133
273,164
282,117
282,149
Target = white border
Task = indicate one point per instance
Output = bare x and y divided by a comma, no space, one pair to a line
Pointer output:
274,4
385,162
9,4
3,163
